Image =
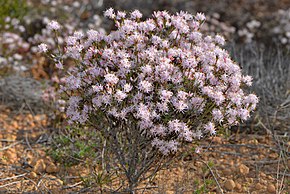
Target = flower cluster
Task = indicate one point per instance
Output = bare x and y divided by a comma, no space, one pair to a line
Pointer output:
12,49
162,74
281,26
214,25
19,38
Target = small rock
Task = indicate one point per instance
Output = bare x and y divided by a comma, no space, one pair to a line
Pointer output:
243,169
217,140
271,188
32,175
52,181
243,150
250,180
262,174
259,186
245,189
273,155
238,186
39,166
230,184
11,155
51,168
227,171
254,141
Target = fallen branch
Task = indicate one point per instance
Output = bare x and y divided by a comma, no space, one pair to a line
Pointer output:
10,146
13,177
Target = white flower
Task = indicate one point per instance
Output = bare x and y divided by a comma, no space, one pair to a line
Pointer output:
127,88
219,40
136,14
59,65
145,86
209,127
120,96
42,48
53,25
111,78
200,16
110,13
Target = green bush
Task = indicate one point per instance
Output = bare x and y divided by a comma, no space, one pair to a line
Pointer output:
13,9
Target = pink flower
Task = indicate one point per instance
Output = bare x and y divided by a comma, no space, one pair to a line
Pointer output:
120,15
200,16
195,36
136,14
197,150
59,65
42,48
120,96
93,35
244,114
165,95
219,40
78,34
251,100
248,80
143,112
128,88
110,13
217,115
97,88
147,69
111,78
209,127
180,105
182,95
197,134
145,86
162,107
53,25
174,126
158,130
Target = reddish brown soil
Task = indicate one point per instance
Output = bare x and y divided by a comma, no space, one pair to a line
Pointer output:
241,163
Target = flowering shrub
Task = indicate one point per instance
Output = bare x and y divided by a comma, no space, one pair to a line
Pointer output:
12,49
214,25
22,31
153,84
280,26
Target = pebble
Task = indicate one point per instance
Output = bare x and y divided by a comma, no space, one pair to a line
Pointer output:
243,169
271,188
53,181
258,186
262,174
238,186
51,168
230,184
11,155
273,155
39,166
32,175
227,172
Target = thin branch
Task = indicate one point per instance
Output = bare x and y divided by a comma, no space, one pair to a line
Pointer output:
72,186
13,177
8,184
11,145
213,174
